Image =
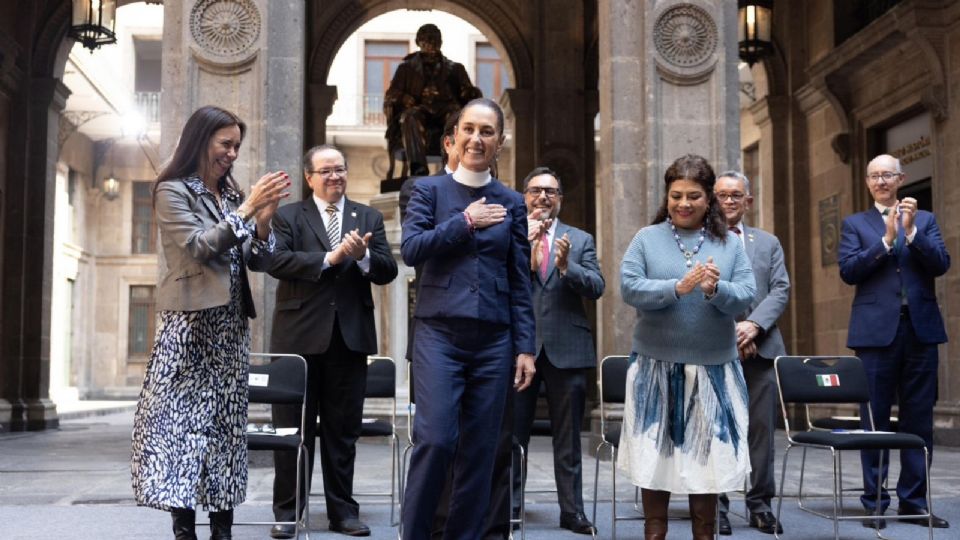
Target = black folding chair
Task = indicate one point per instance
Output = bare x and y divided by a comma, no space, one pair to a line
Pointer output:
382,384
834,380
282,381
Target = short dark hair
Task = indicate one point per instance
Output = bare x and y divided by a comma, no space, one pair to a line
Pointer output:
193,144
428,29
542,170
308,156
448,128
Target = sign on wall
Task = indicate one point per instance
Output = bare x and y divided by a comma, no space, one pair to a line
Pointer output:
910,142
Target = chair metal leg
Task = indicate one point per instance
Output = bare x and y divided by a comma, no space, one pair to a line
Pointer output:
803,466
783,476
596,478
836,493
613,483
926,466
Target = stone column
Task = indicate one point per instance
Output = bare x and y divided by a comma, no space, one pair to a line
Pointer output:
247,58
284,115
518,103
10,78
668,86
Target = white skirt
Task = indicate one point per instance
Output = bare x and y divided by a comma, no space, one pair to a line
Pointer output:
685,427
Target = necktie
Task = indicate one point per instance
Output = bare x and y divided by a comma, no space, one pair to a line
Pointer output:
544,255
333,226
736,230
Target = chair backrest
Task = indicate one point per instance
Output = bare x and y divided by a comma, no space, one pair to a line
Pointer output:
821,379
282,380
381,377
613,378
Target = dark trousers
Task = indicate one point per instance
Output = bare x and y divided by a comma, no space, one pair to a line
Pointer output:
566,394
762,387
905,372
462,371
337,381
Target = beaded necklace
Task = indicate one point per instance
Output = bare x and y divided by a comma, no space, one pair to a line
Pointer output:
688,254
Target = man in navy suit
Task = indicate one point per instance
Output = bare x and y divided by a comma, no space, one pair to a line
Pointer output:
892,253
329,251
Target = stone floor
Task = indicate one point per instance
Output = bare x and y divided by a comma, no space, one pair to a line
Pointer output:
74,483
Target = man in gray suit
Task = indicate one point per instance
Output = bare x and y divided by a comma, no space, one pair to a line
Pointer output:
759,342
564,273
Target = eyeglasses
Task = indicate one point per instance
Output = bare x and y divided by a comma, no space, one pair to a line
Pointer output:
326,173
735,197
536,191
887,176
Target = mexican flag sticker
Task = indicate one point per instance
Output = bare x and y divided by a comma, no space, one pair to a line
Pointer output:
828,380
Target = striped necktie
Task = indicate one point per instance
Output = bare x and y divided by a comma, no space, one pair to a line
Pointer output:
333,226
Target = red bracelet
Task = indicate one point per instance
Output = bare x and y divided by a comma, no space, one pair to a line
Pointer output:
470,224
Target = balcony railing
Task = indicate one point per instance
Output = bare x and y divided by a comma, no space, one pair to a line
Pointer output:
148,103
373,110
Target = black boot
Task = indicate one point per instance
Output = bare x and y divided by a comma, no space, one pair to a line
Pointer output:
220,524
184,523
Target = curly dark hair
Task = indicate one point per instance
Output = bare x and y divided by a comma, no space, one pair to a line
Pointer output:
697,169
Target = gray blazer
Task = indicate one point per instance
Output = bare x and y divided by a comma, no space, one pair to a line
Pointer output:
195,259
773,289
562,327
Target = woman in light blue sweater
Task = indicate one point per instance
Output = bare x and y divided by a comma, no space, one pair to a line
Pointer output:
685,417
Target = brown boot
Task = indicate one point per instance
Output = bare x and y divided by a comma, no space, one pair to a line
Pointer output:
655,505
703,512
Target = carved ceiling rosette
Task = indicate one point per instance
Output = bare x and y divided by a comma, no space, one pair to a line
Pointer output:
685,37
225,33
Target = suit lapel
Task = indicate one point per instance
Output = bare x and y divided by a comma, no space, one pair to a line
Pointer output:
875,220
315,221
350,220
749,241
551,265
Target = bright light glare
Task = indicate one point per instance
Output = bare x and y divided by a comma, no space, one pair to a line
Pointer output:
132,124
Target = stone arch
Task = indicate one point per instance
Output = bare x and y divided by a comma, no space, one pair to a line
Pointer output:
492,18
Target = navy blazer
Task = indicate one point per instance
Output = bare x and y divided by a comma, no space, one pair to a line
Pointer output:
879,277
482,275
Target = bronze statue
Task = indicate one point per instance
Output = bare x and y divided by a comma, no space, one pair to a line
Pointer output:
426,89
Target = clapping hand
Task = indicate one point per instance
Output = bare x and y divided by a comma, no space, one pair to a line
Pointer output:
710,278
690,280
483,215
352,245
562,249
907,208
265,197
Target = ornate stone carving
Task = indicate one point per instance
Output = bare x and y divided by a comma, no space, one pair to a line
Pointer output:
685,35
225,28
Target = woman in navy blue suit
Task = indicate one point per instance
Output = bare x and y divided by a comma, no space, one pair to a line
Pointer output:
474,324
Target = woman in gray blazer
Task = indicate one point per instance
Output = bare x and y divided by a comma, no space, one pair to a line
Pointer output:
189,446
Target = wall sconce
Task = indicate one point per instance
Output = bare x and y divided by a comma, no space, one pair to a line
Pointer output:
93,22
111,188
754,21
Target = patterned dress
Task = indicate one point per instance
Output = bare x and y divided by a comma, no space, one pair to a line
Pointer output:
189,431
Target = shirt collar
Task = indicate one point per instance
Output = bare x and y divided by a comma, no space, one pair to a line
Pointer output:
552,231
322,205
196,185
470,178
881,208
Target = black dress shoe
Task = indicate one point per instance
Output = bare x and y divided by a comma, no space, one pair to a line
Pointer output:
766,522
938,522
283,531
350,527
723,525
871,523
576,522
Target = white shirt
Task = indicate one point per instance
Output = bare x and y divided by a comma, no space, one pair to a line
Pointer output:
743,233
322,205
909,237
